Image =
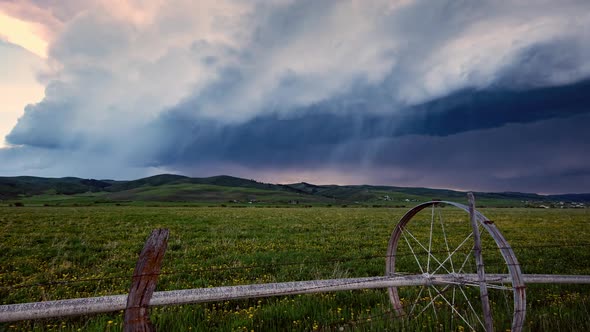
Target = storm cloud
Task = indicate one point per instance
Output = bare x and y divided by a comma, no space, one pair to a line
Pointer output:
480,95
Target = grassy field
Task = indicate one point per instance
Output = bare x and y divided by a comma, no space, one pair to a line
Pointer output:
51,253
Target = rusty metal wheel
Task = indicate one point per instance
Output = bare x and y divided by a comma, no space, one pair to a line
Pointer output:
471,277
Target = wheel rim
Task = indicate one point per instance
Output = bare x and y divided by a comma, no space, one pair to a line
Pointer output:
423,243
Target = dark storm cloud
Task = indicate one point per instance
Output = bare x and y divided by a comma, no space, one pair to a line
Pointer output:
545,156
519,139
378,88
291,138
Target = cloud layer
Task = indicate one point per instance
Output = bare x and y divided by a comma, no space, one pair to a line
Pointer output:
297,87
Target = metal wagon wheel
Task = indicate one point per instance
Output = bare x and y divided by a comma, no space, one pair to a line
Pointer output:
459,261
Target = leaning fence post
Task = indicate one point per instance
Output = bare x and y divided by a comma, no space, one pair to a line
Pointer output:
143,284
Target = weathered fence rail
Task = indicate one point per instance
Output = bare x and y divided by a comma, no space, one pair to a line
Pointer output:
102,304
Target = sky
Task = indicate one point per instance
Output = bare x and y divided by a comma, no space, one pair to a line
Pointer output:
471,95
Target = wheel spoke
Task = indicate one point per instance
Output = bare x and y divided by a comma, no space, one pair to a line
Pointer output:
417,299
458,313
430,239
428,252
471,307
412,250
442,226
467,256
453,253
425,308
474,284
498,287
432,301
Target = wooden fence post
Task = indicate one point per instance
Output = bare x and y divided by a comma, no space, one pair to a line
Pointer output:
143,284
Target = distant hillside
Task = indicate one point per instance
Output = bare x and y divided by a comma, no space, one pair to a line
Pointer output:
571,197
11,187
220,180
367,192
157,180
229,189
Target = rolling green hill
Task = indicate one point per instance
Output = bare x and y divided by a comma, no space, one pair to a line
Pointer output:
11,187
223,189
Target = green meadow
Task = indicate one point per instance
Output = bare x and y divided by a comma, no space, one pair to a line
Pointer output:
51,253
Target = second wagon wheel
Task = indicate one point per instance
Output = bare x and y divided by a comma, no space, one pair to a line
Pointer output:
436,243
